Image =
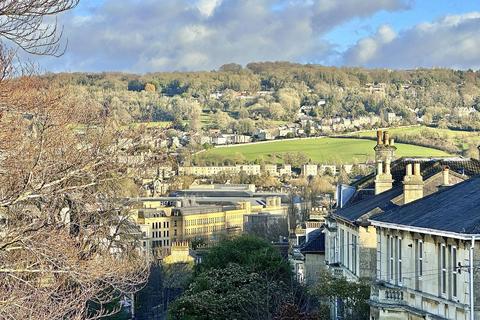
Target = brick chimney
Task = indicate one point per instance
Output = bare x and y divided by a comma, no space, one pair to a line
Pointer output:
383,179
412,183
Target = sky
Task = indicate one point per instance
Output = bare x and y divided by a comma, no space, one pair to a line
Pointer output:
142,36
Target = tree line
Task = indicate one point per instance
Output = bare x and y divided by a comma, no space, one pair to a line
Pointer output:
435,95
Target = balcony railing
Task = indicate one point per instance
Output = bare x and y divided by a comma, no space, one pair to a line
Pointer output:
383,292
338,272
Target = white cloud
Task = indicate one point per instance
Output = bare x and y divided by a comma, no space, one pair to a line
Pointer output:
176,35
367,49
207,7
453,41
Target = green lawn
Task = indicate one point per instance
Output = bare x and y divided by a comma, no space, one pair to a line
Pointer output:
419,129
319,150
462,139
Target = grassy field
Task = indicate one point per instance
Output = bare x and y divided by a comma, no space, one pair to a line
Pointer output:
461,139
419,129
319,150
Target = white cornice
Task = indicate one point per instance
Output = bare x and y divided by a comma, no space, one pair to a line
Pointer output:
441,233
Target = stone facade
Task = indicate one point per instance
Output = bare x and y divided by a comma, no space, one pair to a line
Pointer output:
418,276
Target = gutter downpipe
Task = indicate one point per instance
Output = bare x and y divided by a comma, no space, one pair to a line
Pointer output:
472,314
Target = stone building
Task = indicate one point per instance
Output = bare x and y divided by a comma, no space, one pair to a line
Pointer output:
351,241
427,257
309,170
161,226
180,252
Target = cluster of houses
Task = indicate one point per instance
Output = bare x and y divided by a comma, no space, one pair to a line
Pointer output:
219,139
242,95
340,124
274,170
411,229
158,179
308,126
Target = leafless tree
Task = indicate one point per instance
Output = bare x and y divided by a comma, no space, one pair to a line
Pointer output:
32,24
67,246
66,243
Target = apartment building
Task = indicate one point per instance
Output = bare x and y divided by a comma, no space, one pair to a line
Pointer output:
427,257
160,226
207,171
249,169
351,240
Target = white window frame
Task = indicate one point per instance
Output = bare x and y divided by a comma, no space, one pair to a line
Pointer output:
454,262
399,260
379,254
418,263
336,251
342,246
443,269
354,254
391,259
349,248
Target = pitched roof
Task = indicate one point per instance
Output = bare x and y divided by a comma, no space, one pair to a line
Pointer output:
383,201
428,167
454,209
315,243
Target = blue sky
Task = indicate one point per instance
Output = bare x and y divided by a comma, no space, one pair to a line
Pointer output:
347,34
165,35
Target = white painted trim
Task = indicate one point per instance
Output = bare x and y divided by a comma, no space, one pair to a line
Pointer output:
461,236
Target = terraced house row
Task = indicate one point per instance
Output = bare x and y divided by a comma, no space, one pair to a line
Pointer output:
412,229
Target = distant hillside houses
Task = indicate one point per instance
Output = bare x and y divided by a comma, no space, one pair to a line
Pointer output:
464,112
392,118
224,139
307,108
340,124
312,170
376,88
306,170
208,171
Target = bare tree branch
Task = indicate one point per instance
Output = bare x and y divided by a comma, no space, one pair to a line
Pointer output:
32,24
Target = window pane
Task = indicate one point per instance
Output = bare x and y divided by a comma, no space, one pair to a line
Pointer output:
400,249
454,276
444,259
400,271
444,281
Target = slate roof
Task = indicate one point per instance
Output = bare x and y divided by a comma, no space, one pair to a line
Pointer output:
212,193
382,201
428,167
454,209
316,242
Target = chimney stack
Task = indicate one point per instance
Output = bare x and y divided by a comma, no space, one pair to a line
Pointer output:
446,176
416,169
379,137
387,167
386,138
379,168
385,147
412,183
383,180
409,171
